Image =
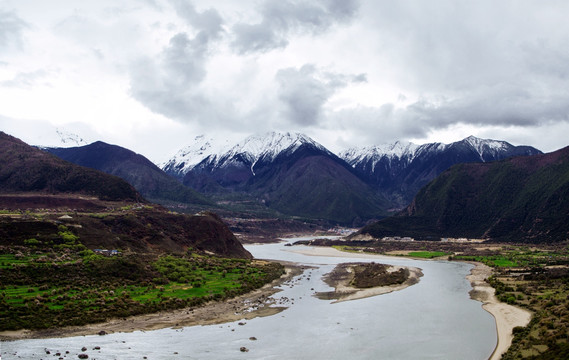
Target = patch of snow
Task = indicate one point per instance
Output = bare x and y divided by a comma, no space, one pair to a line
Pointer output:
266,146
398,150
191,155
69,139
484,146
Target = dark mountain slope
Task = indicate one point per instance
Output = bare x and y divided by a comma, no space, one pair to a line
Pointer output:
310,183
24,168
517,199
137,170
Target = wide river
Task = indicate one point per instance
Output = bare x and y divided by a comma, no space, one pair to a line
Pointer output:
434,319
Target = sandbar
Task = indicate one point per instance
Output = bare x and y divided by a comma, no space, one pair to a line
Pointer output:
343,291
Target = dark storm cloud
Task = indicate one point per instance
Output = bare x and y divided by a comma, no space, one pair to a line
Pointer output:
280,19
11,27
518,108
303,92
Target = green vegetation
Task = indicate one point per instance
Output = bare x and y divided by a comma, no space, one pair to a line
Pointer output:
536,279
67,284
417,254
518,257
427,254
372,274
521,199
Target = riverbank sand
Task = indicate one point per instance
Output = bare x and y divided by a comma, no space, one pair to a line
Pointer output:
506,316
248,306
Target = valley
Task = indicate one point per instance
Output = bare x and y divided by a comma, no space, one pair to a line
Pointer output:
111,241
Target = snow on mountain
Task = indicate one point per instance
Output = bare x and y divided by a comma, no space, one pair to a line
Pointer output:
191,155
265,146
69,139
397,150
269,145
484,146
406,151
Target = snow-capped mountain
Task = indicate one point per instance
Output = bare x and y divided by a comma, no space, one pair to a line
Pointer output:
399,170
250,150
192,154
486,150
265,147
290,173
398,150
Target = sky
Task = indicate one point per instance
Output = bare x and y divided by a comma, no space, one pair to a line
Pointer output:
151,75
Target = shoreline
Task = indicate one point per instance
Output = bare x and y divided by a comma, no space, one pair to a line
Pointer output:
257,303
506,316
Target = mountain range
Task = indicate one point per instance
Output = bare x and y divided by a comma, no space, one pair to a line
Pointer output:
106,211
27,169
399,170
516,199
293,174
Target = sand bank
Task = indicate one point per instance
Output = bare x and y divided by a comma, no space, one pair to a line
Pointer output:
507,316
248,306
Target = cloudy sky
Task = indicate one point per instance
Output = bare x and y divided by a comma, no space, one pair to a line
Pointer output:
150,75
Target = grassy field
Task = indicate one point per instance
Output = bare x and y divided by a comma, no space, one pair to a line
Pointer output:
427,254
45,288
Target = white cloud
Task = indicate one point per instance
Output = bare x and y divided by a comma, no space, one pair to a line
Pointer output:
346,72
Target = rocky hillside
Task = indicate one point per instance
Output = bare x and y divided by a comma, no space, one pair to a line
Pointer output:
139,229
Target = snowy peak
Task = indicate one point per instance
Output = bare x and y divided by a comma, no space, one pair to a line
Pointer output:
186,158
271,144
396,150
247,152
486,146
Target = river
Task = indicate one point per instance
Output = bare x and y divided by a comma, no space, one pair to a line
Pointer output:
434,319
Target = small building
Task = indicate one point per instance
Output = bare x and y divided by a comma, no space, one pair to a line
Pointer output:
106,252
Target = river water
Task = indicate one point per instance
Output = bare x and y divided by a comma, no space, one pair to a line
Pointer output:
434,319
